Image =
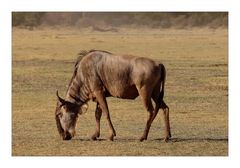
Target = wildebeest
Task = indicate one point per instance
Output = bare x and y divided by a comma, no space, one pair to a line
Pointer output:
100,74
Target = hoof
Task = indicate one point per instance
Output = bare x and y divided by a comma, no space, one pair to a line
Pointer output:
142,139
166,139
95,136
111,138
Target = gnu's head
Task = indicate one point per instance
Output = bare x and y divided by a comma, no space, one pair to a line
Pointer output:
66,116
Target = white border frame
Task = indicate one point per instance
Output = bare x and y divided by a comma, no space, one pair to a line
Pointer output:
7,7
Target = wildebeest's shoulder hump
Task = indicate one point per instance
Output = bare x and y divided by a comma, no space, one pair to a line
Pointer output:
90,53
100,51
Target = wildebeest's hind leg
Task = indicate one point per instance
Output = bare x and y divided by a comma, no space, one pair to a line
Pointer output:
155,97
101,99
145,94
98,114
166,121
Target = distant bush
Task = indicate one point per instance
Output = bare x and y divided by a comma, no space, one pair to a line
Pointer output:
31,19
116,19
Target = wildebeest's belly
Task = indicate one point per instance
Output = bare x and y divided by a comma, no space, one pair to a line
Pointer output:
126,92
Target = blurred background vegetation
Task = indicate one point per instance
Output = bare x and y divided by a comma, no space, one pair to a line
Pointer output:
98,20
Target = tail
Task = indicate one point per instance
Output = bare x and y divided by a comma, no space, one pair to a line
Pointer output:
162,80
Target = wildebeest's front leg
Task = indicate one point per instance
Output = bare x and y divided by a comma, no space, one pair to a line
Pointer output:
101,99
98,114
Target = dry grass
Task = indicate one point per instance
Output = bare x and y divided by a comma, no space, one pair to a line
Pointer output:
196,92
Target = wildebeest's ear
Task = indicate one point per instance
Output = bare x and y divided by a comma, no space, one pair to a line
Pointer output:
83,109
60,99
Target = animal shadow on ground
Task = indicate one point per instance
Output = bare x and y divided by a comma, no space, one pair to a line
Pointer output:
88,139
196,139
191,139
172,140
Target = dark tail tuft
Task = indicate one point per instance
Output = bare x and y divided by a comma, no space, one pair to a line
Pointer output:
162,80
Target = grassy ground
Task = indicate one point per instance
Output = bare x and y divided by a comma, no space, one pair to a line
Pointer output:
196,92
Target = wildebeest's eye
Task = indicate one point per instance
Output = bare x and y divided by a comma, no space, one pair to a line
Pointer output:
60,115
72,115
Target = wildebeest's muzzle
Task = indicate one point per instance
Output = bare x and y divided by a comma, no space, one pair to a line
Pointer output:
67,136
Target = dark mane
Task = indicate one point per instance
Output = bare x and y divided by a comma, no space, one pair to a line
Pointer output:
99,51
81,54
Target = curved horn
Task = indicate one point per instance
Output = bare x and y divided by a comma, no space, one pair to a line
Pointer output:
59,98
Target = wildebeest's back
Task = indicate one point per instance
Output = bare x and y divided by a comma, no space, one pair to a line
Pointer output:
119,75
